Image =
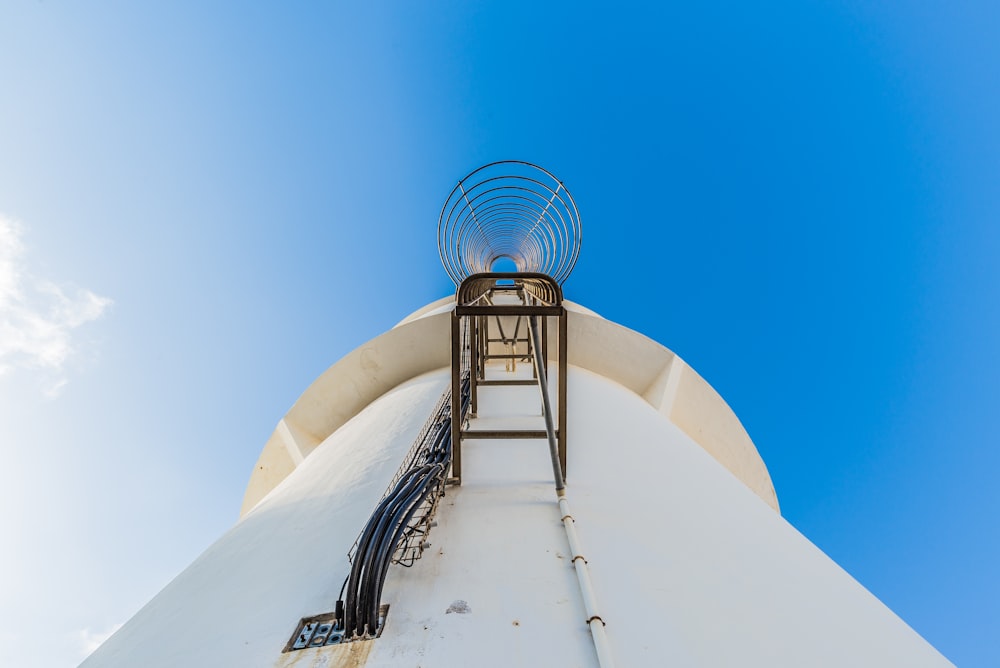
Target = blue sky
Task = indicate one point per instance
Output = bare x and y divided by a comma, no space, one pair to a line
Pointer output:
202,206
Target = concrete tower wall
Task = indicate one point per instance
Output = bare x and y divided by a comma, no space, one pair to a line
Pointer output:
690,562
421,343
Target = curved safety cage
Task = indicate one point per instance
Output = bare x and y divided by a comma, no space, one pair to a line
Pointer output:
514,211
476,288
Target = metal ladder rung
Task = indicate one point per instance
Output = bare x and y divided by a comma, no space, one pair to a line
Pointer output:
500,434
520,381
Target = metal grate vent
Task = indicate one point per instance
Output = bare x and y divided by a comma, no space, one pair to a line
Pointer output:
324,630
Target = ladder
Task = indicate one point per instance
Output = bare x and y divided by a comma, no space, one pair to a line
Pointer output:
487,307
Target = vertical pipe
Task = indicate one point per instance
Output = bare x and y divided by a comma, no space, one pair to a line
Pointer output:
484,344
534,369
545,342
543,386
563,381
594,620
456,397
473,322
531,347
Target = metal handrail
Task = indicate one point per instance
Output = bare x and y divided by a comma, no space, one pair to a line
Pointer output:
542,287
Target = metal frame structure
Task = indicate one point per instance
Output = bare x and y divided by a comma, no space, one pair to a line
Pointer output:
477,325
509,210
517,211
521,217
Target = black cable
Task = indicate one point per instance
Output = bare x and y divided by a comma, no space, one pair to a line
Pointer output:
359,557
384,528
388,547
389,525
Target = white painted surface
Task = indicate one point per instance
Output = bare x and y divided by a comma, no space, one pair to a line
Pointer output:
237,604
421,343
690,566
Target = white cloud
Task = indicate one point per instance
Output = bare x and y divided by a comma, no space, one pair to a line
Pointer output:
89,640
37,317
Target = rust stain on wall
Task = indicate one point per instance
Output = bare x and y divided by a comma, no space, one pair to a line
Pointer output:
346,655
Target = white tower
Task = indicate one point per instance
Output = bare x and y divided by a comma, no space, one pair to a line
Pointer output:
504,479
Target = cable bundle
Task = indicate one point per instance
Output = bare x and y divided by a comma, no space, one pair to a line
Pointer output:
392,523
